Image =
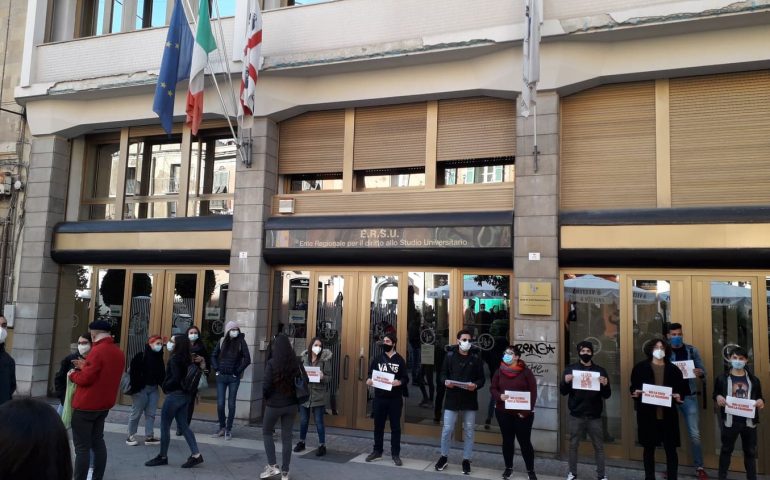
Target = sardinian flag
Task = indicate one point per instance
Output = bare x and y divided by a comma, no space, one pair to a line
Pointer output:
251,58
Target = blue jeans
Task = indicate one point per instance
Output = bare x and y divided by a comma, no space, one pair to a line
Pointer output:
469,429
175,408
144,401
304,420
691,413
227,384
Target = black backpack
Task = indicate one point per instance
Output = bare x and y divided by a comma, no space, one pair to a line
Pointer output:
192,378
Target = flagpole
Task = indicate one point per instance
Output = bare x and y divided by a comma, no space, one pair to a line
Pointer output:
534,150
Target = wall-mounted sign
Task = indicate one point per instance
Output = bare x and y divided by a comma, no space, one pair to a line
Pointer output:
535,298
488,236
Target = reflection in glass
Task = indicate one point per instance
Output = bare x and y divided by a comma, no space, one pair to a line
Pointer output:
461,174
314,183
390,178
427,324
183,311
591,313
139,313
383,318
486,313
109,303
329,311
101,182
212,175
215,286
72,305
289,307
153,170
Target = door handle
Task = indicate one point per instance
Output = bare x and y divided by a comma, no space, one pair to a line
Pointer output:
361,368
703,389
345,365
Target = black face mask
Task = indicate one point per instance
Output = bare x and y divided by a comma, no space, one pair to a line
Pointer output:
586,357
386,348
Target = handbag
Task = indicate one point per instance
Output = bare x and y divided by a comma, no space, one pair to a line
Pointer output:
203,383
125,383
66,414
301,386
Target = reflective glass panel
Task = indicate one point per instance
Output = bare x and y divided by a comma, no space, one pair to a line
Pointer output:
215,286
329,317
383,319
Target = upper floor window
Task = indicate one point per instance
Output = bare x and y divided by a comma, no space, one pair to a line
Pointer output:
212,174
315,182
476,171
390,178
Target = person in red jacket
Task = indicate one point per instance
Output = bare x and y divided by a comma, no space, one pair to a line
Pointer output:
97,378
514,376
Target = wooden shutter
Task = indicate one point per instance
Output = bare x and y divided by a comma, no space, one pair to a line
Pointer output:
312,143
390,136
479,127
608,148
720,139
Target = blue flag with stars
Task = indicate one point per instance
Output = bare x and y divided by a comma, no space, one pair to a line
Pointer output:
175,67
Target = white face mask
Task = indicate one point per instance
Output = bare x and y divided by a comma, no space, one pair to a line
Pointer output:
316,349
170,346
234,333
659,354
3,335
83,349
465,345
157,347
193,337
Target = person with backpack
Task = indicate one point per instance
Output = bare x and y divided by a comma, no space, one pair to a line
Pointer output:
182,377
315,356
147,373
280,395
229,360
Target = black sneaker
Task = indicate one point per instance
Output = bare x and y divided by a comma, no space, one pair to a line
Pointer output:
157,461
397,460
507,473
466,467
300,446
374,456
193,461
531,475
441,464
321,451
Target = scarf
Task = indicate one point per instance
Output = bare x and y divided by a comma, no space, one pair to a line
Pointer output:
512,371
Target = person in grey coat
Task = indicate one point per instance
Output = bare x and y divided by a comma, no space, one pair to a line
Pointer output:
315,356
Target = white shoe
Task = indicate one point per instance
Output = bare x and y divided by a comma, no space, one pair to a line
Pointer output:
270,471
132,441
90,473
284,475
571,476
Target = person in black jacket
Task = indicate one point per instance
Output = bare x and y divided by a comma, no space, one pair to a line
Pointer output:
60,379
657,424
229,359
738,379
147,374
175,405
585,408
7,366
280,397
388,404
463,375
199,355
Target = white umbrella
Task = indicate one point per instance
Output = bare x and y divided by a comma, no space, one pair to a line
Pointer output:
593,289
471,288
722,295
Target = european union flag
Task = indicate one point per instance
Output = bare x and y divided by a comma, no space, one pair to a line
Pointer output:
177,56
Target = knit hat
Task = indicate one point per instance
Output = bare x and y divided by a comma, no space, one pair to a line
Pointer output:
231,325
585,344
101,325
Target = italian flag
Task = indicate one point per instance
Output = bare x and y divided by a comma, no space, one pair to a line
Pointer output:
204,44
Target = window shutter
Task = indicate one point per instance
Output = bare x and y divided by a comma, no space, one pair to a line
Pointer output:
312,143
390,137
479,127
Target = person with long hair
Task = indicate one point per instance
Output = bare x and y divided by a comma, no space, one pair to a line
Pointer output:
175,405
199,356
60,379
514,375
656,424
33,442
315,356
280,397
147,375
229,360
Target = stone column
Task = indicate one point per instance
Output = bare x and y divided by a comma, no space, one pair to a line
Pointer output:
249,289
46,192
536,230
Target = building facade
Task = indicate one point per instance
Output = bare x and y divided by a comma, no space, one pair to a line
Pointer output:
391,185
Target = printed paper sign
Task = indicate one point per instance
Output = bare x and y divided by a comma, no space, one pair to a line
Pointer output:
382,380
585,380
463,385
687,367
742,407
656,395
313,374
517,401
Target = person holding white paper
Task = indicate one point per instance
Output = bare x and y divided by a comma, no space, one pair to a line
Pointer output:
585,408
689,408
658,425
514,375
321,358
738,382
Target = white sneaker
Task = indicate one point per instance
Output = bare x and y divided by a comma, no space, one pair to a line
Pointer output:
90,473
284,475
131,441
270,471
571,476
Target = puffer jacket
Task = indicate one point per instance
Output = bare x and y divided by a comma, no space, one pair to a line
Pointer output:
318,390
231,361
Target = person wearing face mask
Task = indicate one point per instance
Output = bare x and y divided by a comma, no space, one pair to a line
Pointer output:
60,379
97,378
658,425
738,379
463,375
229,360
689,408
7,366
585,409
199,356
147,374
315,356
387,404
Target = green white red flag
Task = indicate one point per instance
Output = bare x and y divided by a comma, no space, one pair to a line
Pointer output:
204,44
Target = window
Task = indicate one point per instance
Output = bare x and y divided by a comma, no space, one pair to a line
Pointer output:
151,13
315,182
153,168
476,171
100,185
390,178
212,174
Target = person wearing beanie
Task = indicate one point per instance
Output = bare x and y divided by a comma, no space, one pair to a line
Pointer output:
585,408
229,360
147,373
